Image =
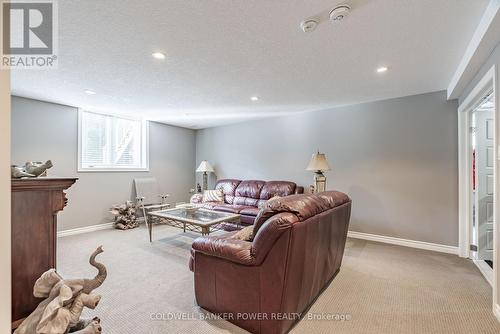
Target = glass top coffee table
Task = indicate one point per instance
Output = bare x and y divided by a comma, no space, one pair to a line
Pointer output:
201,220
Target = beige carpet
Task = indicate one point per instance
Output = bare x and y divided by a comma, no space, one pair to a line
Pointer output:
380,288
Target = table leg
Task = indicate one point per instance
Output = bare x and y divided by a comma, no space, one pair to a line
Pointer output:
150,228
184,227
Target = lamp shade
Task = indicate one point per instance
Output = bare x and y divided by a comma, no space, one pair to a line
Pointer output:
205,166
318,162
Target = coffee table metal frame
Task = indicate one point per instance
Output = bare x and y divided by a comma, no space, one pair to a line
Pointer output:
188,222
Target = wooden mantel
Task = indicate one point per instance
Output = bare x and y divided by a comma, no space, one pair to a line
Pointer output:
43,183
35,204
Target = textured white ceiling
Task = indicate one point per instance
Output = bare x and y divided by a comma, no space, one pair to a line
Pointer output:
222,52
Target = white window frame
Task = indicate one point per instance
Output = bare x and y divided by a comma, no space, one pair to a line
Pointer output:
144,142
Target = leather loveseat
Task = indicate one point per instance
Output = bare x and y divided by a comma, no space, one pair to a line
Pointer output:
265,284
244,197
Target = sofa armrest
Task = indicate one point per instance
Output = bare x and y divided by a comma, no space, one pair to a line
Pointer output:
234,250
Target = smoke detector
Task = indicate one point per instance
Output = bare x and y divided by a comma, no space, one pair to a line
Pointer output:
309,25
339,13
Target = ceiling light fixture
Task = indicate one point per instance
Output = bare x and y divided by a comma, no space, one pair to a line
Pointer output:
158,55
254,98
309,25
89,92
382,69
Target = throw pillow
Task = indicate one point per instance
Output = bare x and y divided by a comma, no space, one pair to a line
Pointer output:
245,234
262,204
196,199
213,196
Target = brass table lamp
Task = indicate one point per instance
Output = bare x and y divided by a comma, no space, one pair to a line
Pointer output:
319,164
205,168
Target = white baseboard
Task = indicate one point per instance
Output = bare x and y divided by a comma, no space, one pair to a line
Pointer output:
85,229
485,270
350,234
404,242
496,311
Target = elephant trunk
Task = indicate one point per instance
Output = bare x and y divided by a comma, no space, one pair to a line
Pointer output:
90,284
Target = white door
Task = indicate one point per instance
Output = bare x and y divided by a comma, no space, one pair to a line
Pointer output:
485,183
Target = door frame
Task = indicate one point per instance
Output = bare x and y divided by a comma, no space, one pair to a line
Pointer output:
485,85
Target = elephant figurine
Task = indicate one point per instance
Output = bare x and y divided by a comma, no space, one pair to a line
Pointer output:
37,168
64,301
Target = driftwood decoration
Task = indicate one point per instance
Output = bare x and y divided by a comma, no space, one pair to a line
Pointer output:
64,301
125,217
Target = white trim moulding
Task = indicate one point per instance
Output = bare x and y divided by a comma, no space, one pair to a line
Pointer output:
404,242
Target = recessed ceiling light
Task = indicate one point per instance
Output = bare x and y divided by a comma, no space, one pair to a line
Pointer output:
89,92
158,55
339,13
254,98
308,25
382,69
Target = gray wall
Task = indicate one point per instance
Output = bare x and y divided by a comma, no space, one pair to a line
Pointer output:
397,159
42,131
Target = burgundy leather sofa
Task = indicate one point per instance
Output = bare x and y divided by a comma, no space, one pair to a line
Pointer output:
244,197
264,284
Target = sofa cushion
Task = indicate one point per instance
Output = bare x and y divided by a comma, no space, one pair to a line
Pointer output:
231,208
248,192
252,211
277,188
246,220
228,187
246,201
209,206
250,188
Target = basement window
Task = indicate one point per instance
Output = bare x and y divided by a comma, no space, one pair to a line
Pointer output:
108,143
